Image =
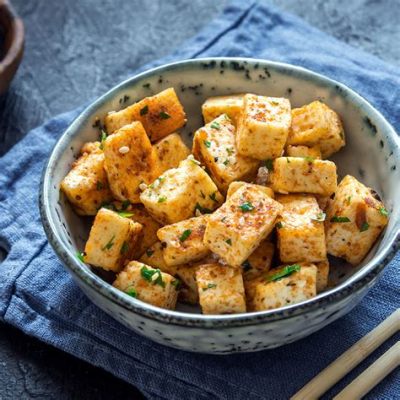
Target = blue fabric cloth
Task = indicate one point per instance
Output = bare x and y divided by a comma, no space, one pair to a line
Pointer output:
38,296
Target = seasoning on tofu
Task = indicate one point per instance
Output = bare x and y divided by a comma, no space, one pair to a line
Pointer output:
246,220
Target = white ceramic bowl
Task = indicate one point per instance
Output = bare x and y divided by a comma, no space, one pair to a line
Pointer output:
367,133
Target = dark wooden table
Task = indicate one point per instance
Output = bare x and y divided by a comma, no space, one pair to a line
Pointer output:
77,49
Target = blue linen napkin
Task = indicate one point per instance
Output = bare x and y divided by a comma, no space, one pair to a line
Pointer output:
38,296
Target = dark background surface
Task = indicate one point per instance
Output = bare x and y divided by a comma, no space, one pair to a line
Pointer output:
76,50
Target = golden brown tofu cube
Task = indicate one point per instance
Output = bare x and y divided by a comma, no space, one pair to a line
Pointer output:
355,218
238,184
317,124
303,151
230,105
129,161
300,229
86,185
280,289
214,145
259,261
188,290
171,150
160,115
148,284
154,257
183,241
221,289
304,175
112,240
236,229
179,192
263,127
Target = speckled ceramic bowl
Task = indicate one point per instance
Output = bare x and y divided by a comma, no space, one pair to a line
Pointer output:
368,133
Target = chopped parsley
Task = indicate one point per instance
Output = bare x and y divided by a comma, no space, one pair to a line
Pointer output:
269,164
285,271
109,244
229,241
215,125
103,137
186,233
247,206
149,252
213,197
99,185
320,217
383,211
207,143
161,199
80,256
364,227
124,248
210,286
144,110
229,150
164,115
226,162
148,274
338,218
246,266
125,214
202,209
131,292
279,225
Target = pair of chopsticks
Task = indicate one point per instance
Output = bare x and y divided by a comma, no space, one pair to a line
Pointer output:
368,379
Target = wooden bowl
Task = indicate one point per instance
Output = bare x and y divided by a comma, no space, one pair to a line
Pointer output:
12,30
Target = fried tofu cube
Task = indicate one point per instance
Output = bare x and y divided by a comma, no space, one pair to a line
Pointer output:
183,241
322,275
148,284
112,240
86,184
129,161
300,229
273,292
317,124
238,184
237,228
221,289
154,257
214,145
230,105
303,151
303,175
160,115
355,218
188,290
171,150
263,127
180,192
259,261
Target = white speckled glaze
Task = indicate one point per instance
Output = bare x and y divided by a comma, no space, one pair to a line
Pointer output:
367,133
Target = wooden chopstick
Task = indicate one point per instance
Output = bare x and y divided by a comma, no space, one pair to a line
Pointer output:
382,367
349,359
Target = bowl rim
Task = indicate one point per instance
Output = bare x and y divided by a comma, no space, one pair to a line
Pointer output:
353,284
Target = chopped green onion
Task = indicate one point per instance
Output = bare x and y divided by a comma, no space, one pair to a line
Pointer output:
215,125
109,244
103,137
186,233
320,217
337,218
213,197
247,206
124,248
149,252
383,211
279,225
125,214
285,271
164,115
364,227
80,256
207,143
144,110
309,159
131,292
210,286
148,274
161,199
229,241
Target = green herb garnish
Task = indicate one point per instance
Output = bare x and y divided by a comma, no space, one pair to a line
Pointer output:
247,206
279,225
215,125
144,110
103,137
125,214
348,200
309,159
186,233
364,227
320,217
207,143
337,218
226,162
285,271
80,256
109,244
269,164
229,150
210,286
125,204
131,292
383,211
202,209
176,283
149,252
213,197
161,199
148,275
124,248
229,241
164,115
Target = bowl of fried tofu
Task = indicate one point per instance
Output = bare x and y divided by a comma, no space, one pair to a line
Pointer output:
225,205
